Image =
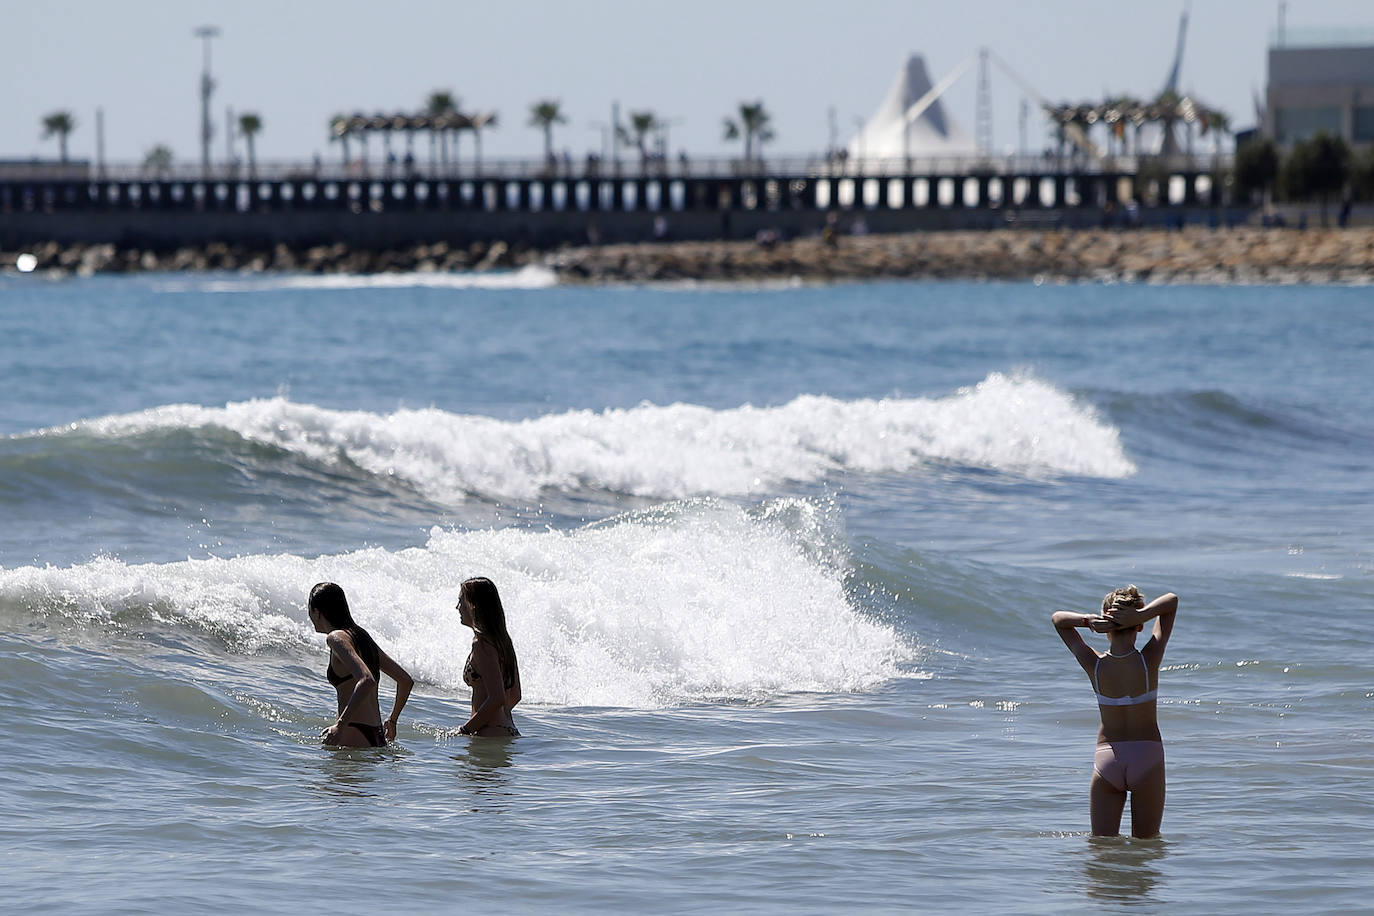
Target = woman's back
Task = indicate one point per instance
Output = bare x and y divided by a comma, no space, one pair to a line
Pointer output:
1125,686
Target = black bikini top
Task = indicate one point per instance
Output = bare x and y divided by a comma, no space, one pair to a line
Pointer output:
471,677
334,677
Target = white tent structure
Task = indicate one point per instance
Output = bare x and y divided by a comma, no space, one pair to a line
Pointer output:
911,123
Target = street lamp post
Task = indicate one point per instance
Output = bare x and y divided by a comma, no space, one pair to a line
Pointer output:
207,87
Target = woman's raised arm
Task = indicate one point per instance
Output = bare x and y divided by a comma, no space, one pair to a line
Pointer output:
1162,611
1066,624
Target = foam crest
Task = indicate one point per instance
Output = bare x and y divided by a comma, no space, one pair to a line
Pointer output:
242,601
677,451
692,601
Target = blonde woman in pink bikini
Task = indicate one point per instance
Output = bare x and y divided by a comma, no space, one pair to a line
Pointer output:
1130,752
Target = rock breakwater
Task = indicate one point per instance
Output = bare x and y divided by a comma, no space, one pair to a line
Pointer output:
1191,255
1239,255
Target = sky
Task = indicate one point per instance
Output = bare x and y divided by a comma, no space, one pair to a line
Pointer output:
295,63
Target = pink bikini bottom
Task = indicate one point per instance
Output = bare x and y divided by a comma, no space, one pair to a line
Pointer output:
1125,764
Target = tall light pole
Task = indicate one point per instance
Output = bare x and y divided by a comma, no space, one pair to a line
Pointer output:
100,142
207,87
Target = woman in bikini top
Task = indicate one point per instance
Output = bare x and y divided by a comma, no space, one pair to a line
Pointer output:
356,663
1130,752
491,669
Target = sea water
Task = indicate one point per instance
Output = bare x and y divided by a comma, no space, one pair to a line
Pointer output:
778,562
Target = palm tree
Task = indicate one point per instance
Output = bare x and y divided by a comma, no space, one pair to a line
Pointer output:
544,114
477,122
1218,121
407,127
1118,116
338,130
642,125
753,124
60,123
357,126
440,105
1319,165
1254,169
1168,110
158,161
249,125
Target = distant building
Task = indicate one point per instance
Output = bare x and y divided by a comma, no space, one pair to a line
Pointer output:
1321,82
911,122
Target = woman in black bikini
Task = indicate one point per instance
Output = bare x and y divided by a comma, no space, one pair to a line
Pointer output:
1130,752
491,670
355,664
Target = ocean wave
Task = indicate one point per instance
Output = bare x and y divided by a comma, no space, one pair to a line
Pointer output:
1005,423
1238,439
1226,421
690,601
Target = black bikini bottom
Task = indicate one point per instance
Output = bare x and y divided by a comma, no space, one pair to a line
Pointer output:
375,734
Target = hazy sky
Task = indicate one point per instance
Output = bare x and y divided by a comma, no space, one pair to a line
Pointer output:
297,62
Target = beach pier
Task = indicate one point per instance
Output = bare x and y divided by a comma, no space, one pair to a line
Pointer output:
533,203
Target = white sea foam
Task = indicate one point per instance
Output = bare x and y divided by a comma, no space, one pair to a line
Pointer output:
531,276
1019,425
691,601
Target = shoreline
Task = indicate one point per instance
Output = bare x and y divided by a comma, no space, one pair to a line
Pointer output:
1244,255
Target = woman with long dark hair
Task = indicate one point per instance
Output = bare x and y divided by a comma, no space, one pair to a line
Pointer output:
491,669
1130,752
355,664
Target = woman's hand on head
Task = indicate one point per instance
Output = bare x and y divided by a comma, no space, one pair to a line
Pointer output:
1101,624
1118,618
331,734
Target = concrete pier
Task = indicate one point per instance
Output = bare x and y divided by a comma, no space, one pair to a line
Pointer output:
545,210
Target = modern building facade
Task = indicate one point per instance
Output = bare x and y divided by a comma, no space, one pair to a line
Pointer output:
1321,84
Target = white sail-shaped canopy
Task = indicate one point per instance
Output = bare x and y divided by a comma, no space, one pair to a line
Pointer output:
909,124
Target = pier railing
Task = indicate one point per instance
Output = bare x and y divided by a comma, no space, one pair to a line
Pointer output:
525,169
800,185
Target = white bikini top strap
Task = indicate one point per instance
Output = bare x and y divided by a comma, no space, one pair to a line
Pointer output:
1126,700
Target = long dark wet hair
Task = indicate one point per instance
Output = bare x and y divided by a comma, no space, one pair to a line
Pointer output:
489,620
329,600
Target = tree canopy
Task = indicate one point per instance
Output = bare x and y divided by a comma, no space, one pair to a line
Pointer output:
59,124
441,102
1316,167
1256,167
249,125
642,125
544,114
158,160
754,124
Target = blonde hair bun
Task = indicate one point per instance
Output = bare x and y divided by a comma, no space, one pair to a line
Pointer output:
1128,597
